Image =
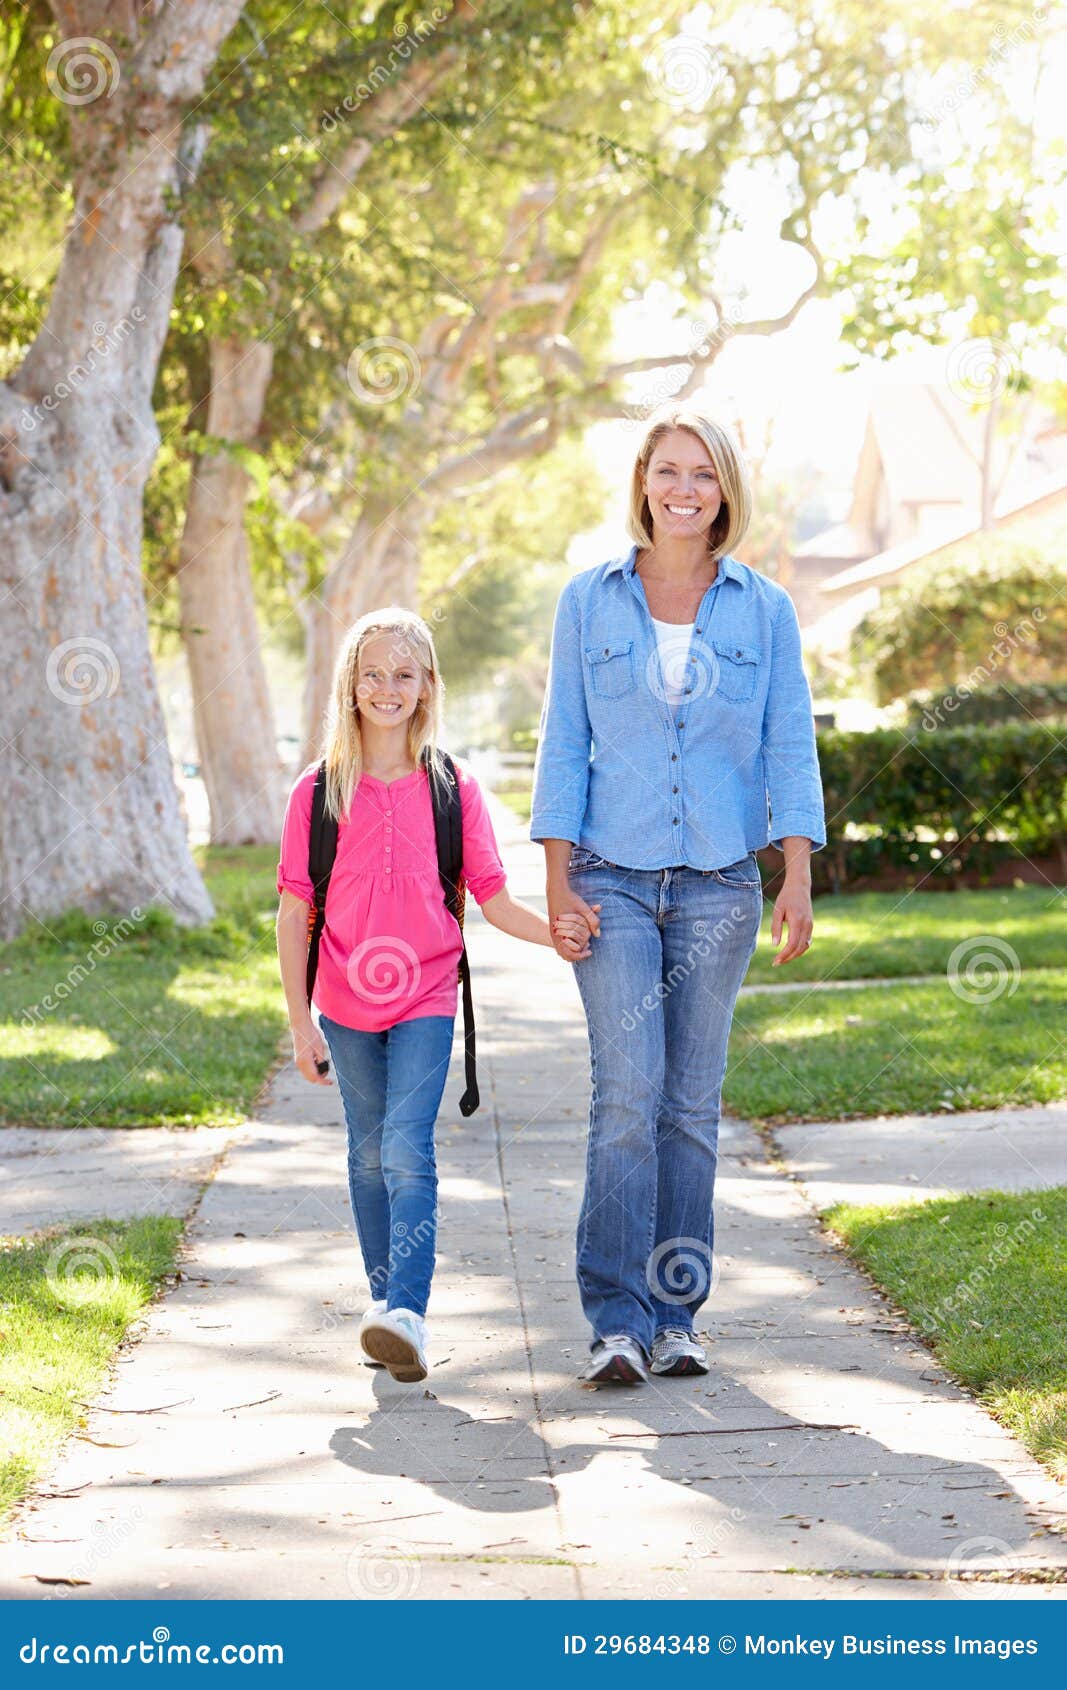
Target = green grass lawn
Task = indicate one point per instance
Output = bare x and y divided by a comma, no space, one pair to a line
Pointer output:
864,935
519,799
889,1050
171,1027
984,1278
66,1299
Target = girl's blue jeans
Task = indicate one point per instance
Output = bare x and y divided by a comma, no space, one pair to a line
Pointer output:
658,992
391,1085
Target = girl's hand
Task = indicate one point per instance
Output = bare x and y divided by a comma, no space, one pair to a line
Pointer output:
792,909
570,935
309,1046
562,900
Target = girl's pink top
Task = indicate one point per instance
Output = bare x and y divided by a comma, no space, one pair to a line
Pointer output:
389,950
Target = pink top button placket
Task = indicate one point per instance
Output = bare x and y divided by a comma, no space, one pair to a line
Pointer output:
390,948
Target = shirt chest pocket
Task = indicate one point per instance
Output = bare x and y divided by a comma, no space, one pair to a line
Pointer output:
737,667
611,668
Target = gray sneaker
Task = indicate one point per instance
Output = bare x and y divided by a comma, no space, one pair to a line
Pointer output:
675,1351
617,1360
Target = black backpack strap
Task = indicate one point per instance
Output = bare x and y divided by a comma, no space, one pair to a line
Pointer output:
448,831
322,849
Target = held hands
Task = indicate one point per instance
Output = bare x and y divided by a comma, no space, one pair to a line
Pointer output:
309,1046
572,921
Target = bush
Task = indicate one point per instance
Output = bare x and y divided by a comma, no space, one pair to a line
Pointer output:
985,612
1019,702
943,801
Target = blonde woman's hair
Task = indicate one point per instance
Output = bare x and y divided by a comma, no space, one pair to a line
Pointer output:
733,519
342,741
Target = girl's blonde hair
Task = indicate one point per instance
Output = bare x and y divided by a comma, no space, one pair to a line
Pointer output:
733,519
342,742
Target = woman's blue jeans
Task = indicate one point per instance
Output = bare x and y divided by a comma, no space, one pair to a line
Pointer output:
659,992
391,1085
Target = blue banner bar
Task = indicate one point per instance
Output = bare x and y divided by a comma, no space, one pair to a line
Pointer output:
1007,1640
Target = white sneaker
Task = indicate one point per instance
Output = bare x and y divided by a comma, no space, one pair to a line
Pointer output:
377,1307
397,1337
617,1360
676,1351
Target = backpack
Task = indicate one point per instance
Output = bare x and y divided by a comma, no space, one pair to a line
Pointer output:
448,831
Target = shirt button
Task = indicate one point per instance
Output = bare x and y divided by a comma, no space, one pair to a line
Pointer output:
674,756
389,847
681,724
674,819
698,630
674,789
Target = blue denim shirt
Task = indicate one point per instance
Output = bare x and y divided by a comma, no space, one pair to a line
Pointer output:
732,766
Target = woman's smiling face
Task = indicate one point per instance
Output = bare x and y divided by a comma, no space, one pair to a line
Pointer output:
681,486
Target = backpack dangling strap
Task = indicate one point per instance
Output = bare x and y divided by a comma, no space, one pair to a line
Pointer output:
448,830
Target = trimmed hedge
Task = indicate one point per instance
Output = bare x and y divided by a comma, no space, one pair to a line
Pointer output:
946,801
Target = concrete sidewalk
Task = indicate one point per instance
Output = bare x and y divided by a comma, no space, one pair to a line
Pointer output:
244,1451
904,1158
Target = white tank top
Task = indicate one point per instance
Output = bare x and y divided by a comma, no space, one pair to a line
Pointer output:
673,640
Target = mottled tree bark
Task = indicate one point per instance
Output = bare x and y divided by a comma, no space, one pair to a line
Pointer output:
90,816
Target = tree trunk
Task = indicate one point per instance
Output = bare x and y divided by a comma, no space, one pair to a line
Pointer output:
231,703
90,815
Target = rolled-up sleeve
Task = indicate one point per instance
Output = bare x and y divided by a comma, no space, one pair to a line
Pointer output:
561,769
483,872
794,787
296,830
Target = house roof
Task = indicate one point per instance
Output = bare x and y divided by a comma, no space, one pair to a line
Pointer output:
884,567
842,540
930,443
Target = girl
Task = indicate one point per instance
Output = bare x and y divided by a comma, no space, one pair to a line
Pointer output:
676,740
386,981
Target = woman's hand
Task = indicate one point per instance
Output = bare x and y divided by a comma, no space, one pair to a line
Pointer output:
792,909
309,1046
565,904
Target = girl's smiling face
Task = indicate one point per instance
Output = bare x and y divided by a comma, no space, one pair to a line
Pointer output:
681,486
391,680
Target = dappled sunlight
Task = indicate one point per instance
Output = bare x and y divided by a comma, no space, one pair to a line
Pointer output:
63,1042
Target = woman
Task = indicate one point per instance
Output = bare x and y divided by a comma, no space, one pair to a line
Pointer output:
676,739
